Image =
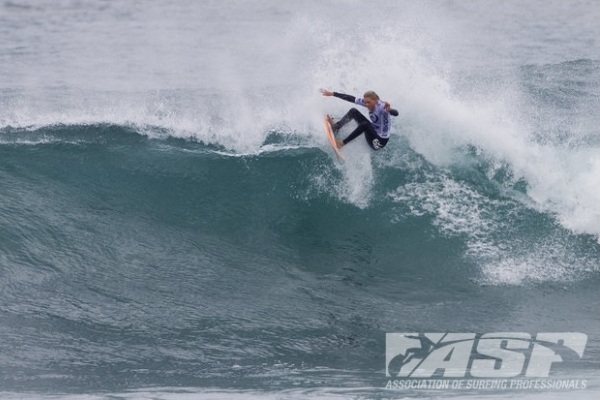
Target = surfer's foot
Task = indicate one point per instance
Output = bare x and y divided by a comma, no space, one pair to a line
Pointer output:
334,126
339,143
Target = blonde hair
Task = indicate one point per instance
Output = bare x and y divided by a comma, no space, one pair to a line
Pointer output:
371,95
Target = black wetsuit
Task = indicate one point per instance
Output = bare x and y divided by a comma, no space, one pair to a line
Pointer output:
376,130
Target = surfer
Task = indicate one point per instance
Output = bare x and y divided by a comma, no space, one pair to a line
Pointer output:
377,130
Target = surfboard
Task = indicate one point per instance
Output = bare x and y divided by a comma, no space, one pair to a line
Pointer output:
331,137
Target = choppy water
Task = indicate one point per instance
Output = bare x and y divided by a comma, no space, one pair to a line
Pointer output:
174,225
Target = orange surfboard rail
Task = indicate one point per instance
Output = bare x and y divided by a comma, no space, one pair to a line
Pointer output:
331,138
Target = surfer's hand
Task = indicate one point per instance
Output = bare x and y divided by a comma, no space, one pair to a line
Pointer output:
387,106
326,92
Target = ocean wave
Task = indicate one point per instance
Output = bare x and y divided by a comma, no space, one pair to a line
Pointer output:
494,218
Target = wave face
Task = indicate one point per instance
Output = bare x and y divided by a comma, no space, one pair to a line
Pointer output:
171,214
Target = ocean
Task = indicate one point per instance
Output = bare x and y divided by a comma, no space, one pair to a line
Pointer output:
175,225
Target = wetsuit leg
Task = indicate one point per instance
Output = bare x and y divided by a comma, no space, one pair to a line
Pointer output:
364,126
352,114
374,141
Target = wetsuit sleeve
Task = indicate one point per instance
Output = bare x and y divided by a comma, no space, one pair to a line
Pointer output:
346,97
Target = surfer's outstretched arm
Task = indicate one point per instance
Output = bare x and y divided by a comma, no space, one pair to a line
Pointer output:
352,99
347,97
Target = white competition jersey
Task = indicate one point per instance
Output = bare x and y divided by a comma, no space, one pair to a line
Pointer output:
380,118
